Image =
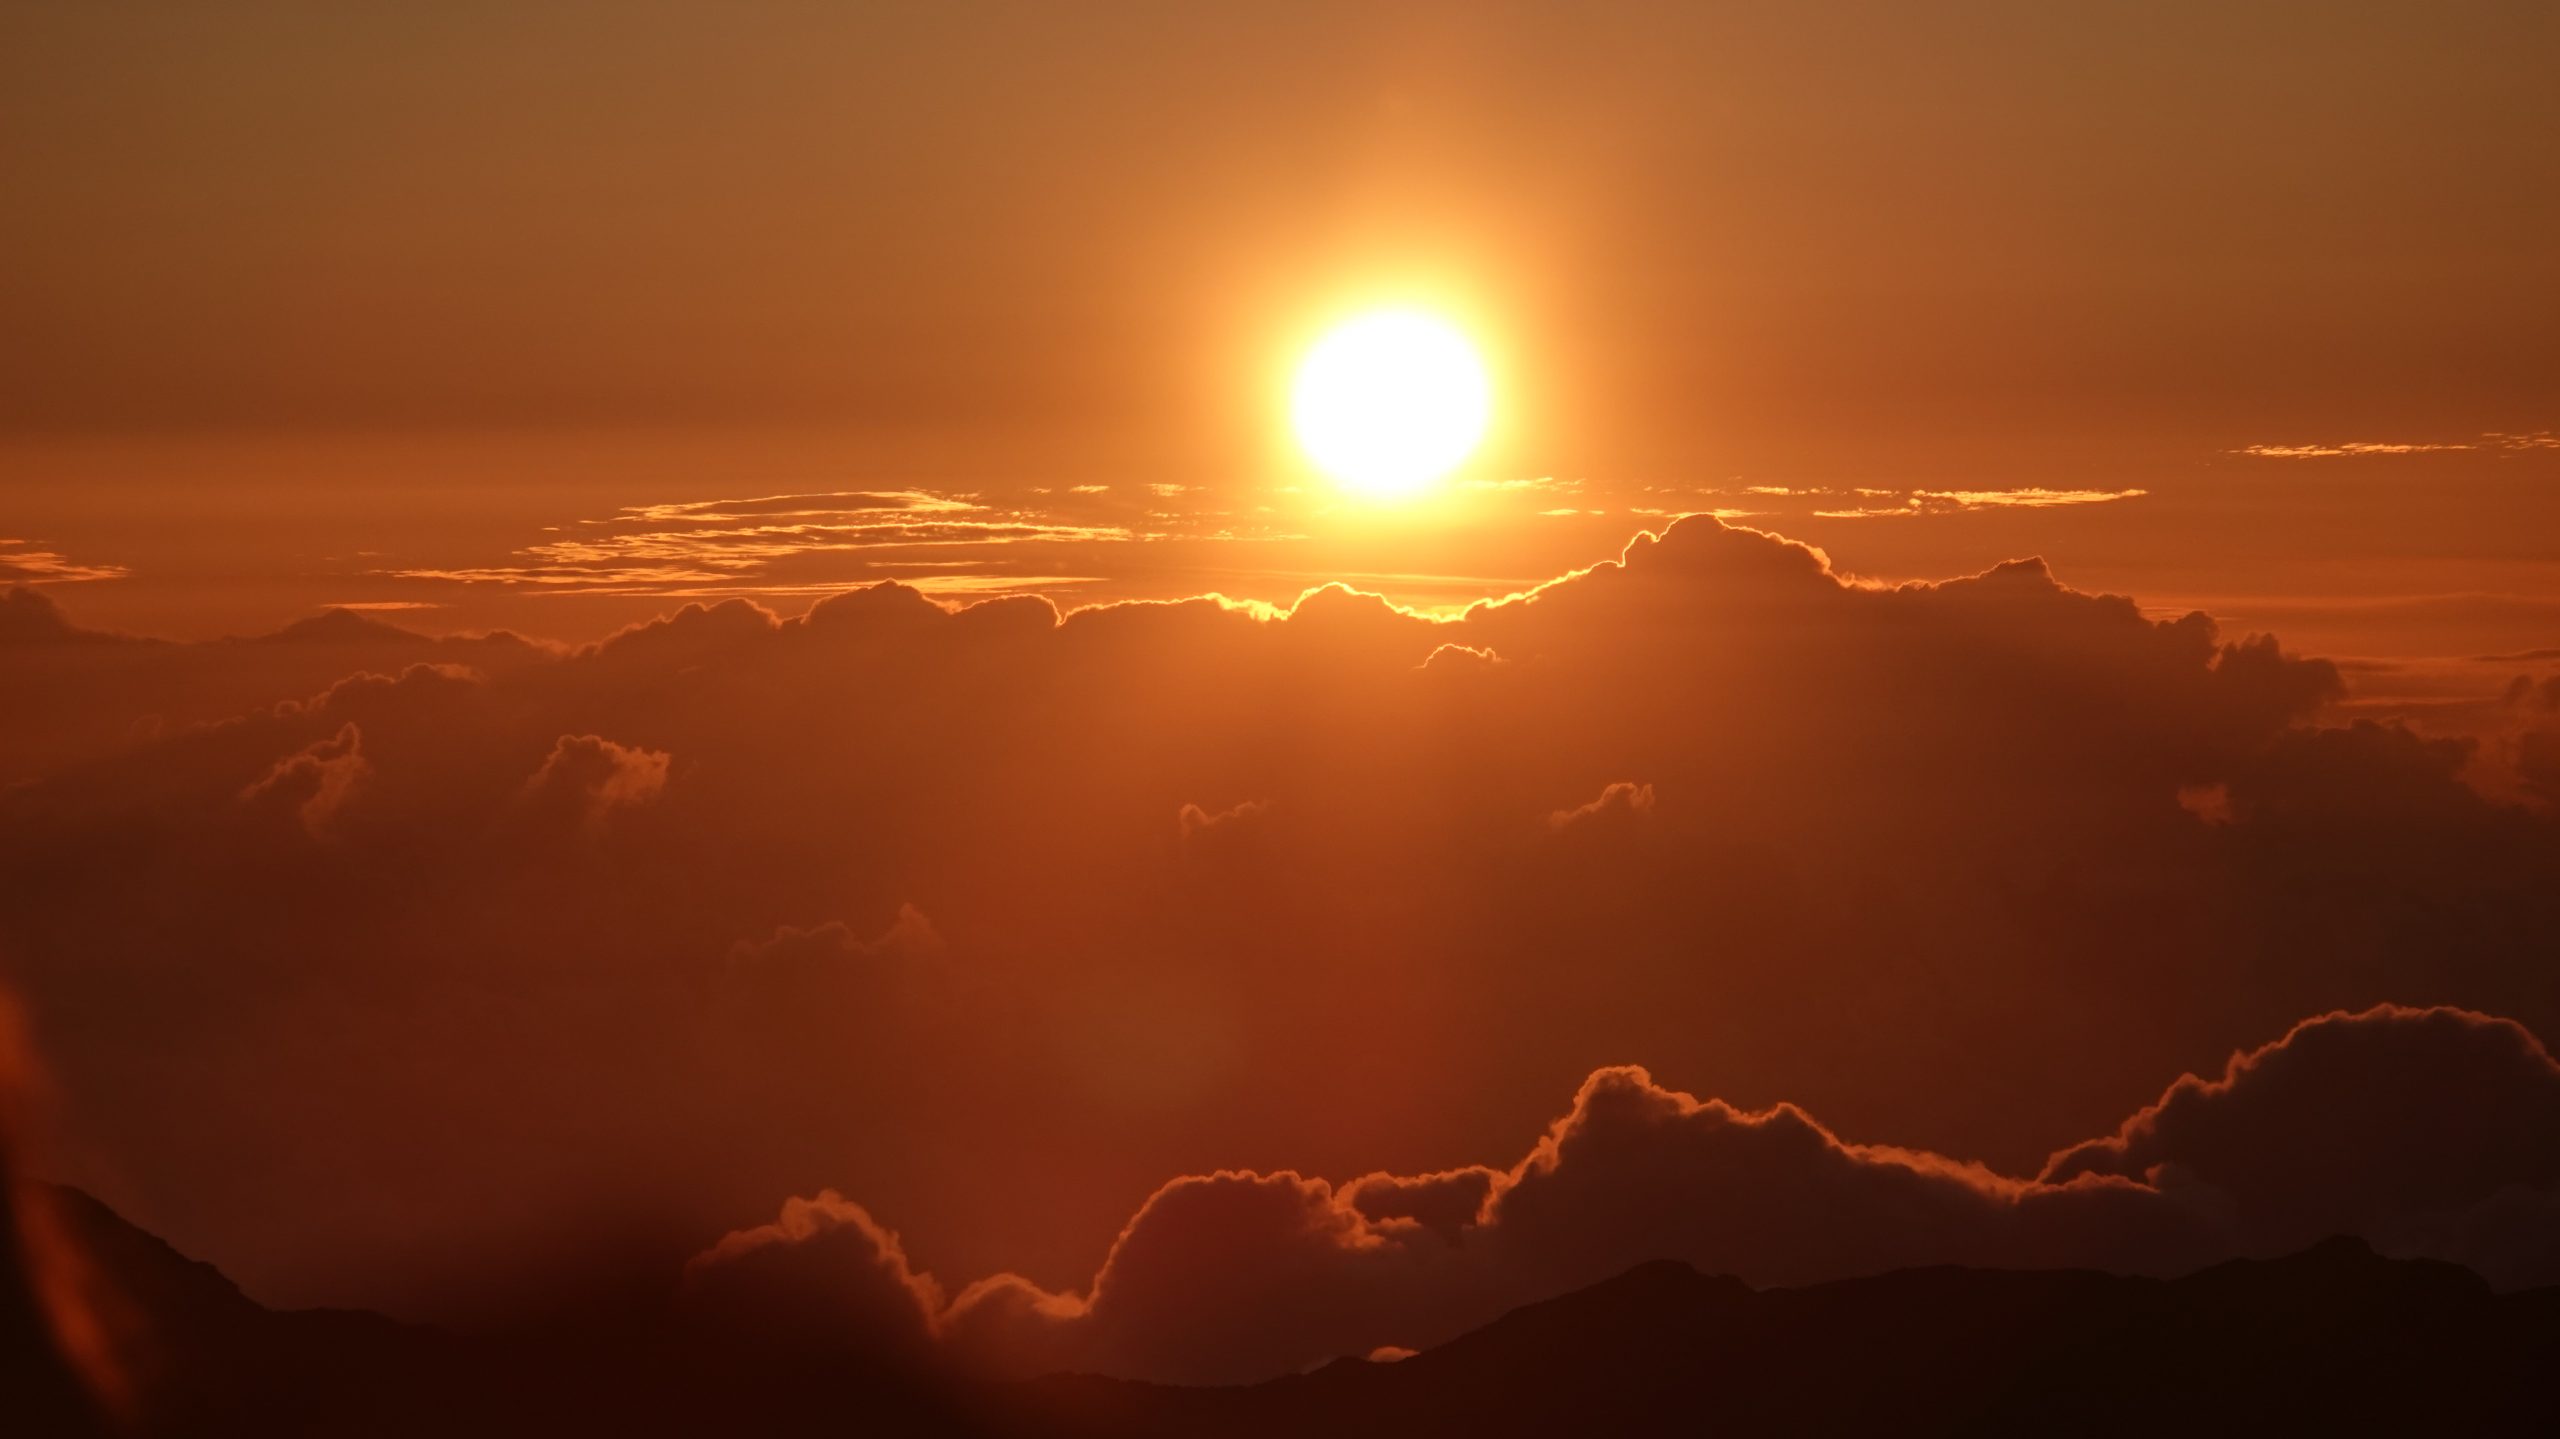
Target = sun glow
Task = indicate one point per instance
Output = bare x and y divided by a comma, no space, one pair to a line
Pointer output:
1390,401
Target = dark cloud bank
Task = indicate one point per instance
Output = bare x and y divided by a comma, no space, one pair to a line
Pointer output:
2434,1132
477,974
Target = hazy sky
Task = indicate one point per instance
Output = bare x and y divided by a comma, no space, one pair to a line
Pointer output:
441,973
304,297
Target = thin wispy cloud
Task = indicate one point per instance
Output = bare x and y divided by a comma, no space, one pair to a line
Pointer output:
804,506
1942,502
720,547
28,562
2491,442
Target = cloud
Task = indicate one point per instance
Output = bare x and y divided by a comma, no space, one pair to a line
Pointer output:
822,1276
767,545
2430,1131
2346,449
829,945
317,780
1620,802
2350,1124
595,778
712,542
1455,658
1224,1277
2494,441
1447,1203
106,692
28,562
1917,861
2210,803
2538,765
1204,830
1934,502
1638,1171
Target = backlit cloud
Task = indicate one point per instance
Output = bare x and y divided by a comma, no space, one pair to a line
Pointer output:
1936,502
653,888
2493,441
30,562
703,548
2422,1130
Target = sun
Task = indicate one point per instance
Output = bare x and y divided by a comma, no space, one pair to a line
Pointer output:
1390,401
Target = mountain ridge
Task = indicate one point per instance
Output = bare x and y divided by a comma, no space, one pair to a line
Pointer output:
2336,1337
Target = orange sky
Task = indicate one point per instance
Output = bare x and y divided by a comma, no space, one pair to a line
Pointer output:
384,960
315,307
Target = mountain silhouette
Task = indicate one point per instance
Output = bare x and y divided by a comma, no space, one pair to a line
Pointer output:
2334,1339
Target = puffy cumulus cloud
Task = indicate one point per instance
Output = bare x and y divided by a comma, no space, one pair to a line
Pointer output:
2430,1131
1618,803
107,693
317,781
2538,764
2526,742
828,947
1835,698
1236,1276
2209,803
1194,821
2363,772
802,988
1444,1203
1220,1278
1637,1171
2390,1121
1231,835
821,1276
592,777
1917,862
1461,659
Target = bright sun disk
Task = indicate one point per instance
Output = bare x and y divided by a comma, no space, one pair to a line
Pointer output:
1390,401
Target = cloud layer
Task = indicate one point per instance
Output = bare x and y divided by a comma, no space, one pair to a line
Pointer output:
356,951
2429,1131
